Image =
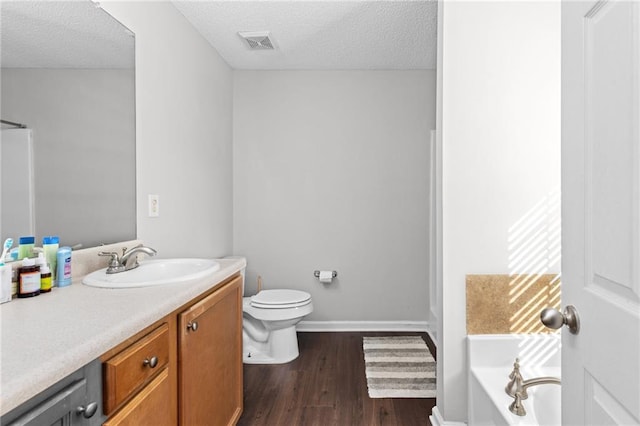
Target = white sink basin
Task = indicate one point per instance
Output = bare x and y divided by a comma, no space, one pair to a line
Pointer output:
154,272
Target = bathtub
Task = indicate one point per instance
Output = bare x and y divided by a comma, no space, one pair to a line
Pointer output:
490,360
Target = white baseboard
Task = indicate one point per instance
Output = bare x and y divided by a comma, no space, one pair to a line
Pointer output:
433,335
419,326
436,419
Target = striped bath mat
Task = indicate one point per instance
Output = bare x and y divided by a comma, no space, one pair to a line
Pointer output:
399,367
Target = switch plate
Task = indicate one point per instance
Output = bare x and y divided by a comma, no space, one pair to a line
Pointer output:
154,205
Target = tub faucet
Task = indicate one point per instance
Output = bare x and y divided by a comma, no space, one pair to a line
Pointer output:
517,388
129,259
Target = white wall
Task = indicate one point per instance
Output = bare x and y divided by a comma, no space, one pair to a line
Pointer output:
184,132
331,172
83,123
500,139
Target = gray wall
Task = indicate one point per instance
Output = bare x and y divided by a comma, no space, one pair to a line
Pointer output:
184,132
83,125
331,171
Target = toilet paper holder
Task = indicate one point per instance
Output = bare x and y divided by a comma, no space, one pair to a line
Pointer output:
317,274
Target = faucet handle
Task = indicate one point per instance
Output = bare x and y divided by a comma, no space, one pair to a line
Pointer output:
516,369
113,254
114,261
514,387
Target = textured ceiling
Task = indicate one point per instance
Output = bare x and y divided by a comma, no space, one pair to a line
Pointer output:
319,35
62,34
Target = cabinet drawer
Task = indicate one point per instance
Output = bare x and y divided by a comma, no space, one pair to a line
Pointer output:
128,371
152,406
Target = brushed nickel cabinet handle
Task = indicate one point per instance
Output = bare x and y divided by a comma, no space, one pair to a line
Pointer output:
88,411
193,326
151,362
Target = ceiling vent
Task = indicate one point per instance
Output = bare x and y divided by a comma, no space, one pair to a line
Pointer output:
257,40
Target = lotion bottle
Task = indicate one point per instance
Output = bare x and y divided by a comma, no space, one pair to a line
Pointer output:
50,248
25,249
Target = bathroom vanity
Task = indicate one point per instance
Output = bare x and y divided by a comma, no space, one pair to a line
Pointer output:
169,354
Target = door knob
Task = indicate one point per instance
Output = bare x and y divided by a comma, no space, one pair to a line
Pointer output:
193,326
555,319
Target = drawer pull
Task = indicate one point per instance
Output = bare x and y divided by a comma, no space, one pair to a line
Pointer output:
88,411
193,326
151,362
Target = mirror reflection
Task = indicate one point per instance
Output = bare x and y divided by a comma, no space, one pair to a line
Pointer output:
68,131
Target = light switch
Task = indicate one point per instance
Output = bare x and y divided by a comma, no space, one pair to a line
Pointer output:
154,205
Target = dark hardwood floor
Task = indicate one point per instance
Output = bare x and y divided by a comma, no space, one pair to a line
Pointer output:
325,385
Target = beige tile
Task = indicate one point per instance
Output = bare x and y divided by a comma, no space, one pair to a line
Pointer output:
504,304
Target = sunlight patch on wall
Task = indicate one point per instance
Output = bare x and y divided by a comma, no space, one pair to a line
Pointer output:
534,244
536,352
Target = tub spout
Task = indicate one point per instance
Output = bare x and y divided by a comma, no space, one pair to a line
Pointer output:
540,381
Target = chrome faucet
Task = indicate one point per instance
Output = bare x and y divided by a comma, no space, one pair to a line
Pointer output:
517,388
129,259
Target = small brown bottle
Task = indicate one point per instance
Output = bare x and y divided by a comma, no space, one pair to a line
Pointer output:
28,279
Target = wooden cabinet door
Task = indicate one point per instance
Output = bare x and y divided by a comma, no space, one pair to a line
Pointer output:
210,358
151,406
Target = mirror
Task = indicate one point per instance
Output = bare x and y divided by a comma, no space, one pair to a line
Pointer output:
68,77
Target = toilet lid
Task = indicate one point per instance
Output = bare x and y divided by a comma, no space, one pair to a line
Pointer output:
280,299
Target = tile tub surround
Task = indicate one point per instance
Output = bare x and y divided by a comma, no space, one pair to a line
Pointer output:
504,304
46,338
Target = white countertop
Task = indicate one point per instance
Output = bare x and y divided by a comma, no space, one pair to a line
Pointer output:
45,338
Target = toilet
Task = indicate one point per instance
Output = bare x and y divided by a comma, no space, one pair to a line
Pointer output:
269,325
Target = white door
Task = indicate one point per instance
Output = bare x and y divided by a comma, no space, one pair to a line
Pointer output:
601,211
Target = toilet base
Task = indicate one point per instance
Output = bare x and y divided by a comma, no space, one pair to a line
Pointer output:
280,347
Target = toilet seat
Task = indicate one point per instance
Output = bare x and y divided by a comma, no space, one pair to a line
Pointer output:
280,299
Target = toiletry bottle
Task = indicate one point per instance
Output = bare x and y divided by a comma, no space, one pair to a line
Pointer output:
63,276
28,278
14,282
45,279
5,283
13,254
50,248
40,260
25,249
